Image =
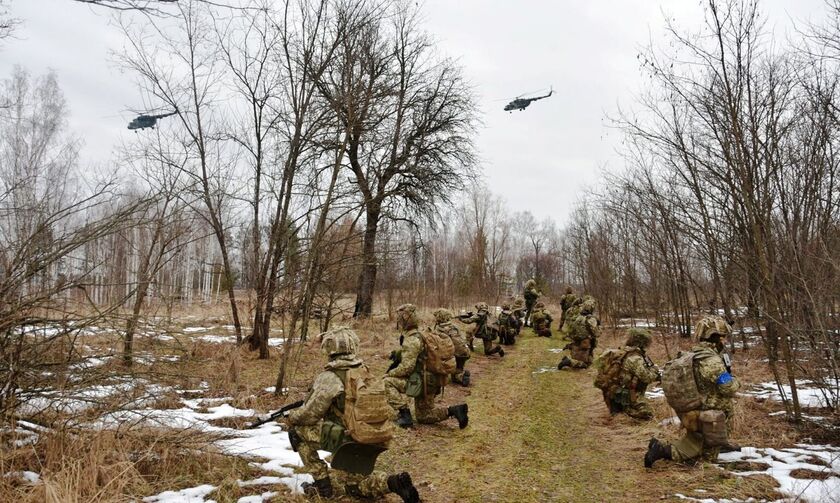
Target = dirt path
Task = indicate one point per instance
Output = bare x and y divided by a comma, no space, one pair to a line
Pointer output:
535,434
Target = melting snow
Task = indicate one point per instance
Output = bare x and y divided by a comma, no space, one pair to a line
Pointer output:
267,446
655,393
189,330
191,495
27,476
782,462
636,322
809,394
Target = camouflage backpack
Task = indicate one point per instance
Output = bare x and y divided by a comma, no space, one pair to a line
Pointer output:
609,367
504,322
367,415
679,384
578,328
440,353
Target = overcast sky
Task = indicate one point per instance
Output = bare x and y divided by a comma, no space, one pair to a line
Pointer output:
541,159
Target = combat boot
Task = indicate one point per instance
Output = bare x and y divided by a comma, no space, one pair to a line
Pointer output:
656,450
501,352
565,362
321,487
730,447
459,412
465,379
404,418
402,486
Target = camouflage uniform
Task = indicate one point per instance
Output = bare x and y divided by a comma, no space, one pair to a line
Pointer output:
584,332
541,320
481,331
718,387
507,325
531,295
566,303
637,372
519,313
570,314
325,403
444,327
412,356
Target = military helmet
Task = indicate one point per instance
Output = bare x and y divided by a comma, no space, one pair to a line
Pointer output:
569,290
530,283
407,316
442,315
519,303
587,306
506,306
482,306
710,326
340,341
539,305
638,337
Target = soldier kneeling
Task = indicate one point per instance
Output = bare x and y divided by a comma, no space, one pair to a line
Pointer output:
624,375
330,420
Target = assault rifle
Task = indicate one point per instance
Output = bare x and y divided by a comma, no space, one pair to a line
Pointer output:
464,316
727,362
396,358
649,364
275,415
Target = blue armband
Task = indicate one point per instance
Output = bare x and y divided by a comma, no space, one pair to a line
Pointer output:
724,378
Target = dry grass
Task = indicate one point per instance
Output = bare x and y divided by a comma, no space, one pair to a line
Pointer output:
532,437
111,466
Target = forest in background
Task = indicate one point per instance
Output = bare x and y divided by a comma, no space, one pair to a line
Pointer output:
320,164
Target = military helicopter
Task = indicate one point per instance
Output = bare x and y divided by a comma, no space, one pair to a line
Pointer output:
520,103
148,121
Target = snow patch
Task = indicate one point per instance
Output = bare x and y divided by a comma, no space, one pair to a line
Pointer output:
257,499
809,394
781,462
636,322
27,476
190,495
655,393
190,330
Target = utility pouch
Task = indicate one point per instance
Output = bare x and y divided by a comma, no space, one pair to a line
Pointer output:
713,428
332,435
414,386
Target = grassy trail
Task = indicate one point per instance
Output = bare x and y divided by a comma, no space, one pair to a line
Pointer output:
535,434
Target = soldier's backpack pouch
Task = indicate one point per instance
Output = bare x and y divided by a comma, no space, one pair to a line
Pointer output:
713,427
332,435
440,353
414,386
609,368
367,415
679,385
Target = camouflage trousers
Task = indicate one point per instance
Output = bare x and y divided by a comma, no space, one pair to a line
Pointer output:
490,347
581,354
693,445
458,375
637,409
542,330
374,485
424,405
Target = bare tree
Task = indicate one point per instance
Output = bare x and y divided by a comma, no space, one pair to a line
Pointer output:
409,116
46,220
181,69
